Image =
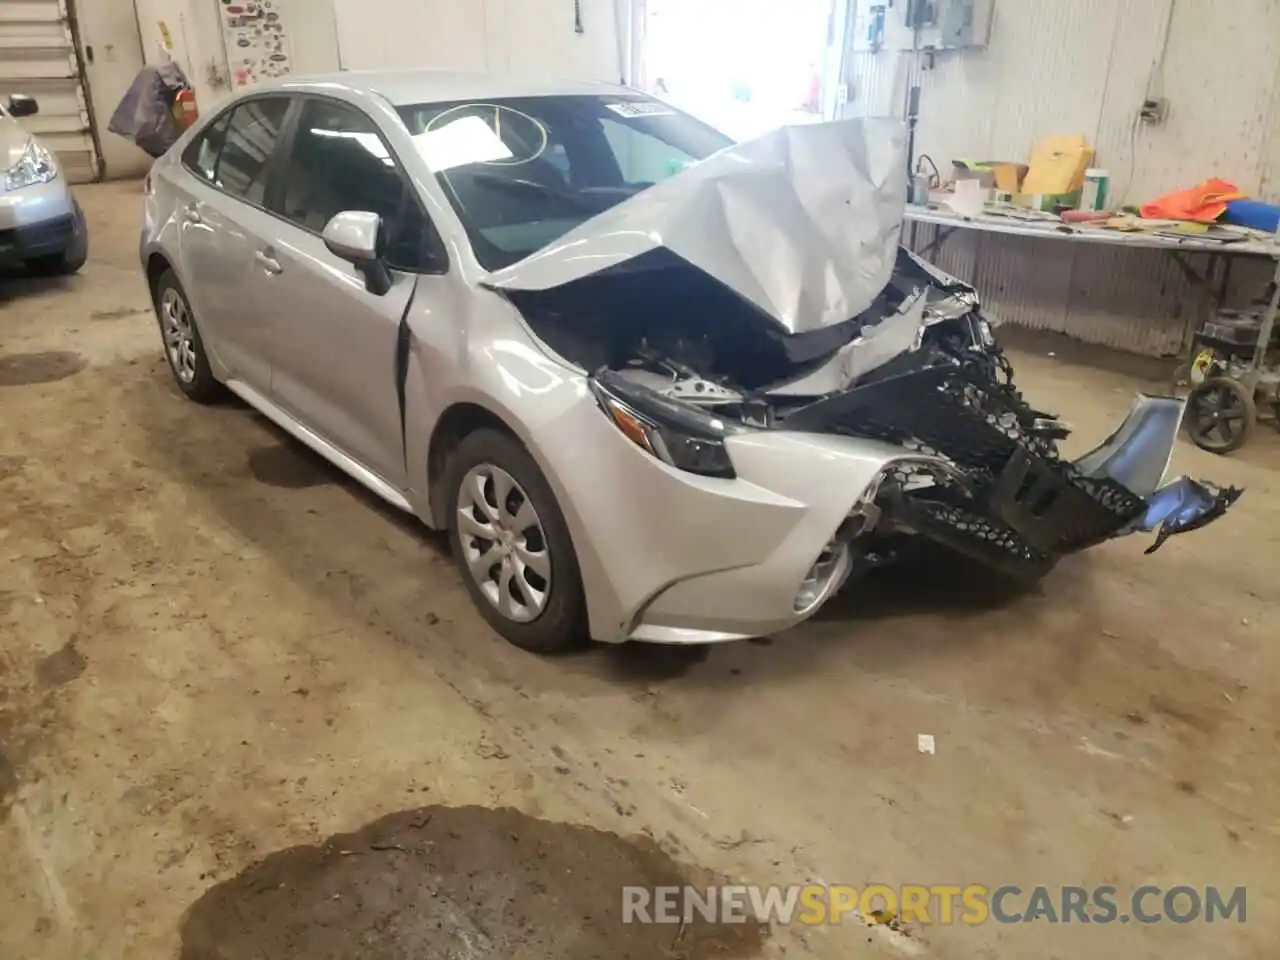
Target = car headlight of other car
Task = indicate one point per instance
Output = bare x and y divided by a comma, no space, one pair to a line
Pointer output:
675,433
35,166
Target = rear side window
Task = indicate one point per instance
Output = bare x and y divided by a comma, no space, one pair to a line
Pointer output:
201,157
235,152
340,162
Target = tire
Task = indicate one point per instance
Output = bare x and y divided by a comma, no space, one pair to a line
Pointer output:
70,260
477,471
190,369
1221,414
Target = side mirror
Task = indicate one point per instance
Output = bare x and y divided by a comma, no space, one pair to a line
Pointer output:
21,105
356,236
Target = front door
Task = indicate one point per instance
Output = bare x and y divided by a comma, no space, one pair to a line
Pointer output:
333,343
224,225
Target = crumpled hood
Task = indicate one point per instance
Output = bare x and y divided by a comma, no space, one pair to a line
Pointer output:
803,222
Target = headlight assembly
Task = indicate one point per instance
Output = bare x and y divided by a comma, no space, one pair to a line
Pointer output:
35,166
673,432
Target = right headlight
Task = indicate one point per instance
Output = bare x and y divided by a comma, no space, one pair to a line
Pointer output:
36,165
675,433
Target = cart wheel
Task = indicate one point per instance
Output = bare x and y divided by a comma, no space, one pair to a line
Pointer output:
1220,415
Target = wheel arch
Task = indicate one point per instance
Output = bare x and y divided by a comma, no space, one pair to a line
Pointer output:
157,264
457,421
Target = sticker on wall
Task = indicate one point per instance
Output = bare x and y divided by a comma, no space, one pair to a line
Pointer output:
256,37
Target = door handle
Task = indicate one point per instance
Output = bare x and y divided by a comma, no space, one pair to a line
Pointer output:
191,214
268,262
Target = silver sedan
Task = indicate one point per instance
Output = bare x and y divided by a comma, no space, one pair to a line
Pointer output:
655,385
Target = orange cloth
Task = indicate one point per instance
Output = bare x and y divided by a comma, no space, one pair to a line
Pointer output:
1204,203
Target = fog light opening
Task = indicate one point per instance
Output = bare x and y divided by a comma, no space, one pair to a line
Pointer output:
826,572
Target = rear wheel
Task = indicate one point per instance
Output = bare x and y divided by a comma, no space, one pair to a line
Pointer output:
183,347
1220,415
512,546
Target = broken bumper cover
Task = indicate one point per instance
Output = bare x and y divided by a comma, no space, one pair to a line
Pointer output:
1013,503
937,453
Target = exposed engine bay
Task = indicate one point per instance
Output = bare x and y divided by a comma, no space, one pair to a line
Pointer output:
919,369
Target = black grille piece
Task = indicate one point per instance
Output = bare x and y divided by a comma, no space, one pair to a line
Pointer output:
1024,505
982,538
1057,510
944,408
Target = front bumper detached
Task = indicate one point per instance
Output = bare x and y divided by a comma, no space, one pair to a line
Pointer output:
1011,502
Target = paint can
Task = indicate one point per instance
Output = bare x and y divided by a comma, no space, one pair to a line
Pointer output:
1094,194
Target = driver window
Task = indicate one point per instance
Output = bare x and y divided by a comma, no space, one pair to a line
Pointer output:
340,162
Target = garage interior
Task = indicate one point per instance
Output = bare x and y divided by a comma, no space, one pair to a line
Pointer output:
247,710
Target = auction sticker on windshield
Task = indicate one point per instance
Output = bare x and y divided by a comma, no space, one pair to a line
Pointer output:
640,108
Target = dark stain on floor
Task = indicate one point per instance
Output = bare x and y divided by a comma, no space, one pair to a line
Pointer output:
11,465
464,883
8,781
21,369
119,313
60,667
288,467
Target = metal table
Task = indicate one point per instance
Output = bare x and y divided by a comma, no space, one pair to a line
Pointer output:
1219,255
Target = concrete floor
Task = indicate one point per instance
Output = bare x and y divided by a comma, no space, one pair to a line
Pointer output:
214,648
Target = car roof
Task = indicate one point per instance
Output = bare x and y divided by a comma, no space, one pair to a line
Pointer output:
403,87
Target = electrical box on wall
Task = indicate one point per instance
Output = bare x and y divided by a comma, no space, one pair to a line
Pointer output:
964,23
921,24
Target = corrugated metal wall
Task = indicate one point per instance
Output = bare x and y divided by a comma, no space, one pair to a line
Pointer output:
1084,66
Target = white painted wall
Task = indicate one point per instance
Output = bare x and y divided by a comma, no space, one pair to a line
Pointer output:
1083,66
509,36
518,36
111,54
197,45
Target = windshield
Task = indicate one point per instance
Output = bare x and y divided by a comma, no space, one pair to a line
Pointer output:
523,171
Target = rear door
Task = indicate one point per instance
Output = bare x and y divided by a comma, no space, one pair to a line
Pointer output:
224,228
333,343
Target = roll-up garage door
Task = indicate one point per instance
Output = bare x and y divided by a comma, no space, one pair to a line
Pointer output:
38,56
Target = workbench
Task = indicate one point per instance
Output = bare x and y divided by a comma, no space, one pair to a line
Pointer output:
1217,272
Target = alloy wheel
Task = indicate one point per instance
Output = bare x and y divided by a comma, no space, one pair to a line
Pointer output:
503,543
179,337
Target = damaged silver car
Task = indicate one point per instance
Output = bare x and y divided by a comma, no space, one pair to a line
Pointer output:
654,384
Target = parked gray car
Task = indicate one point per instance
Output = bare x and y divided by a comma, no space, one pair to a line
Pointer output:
654,384
41,224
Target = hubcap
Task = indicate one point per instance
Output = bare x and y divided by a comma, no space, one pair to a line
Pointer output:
1219,416
179,344
503,543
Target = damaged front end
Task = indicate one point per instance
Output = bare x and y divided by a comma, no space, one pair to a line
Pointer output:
981,474
701,331
1010,500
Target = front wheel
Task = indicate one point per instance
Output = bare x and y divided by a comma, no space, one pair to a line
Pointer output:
512,545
